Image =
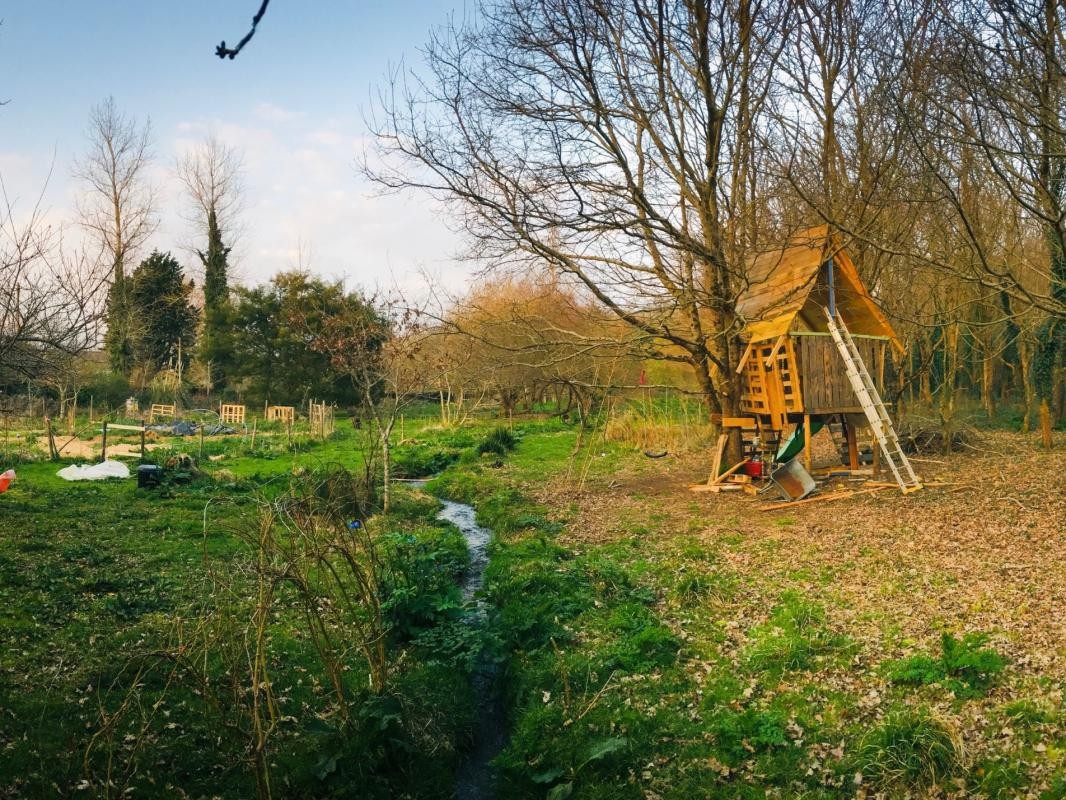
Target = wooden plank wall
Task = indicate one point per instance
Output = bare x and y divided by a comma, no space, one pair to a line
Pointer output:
825,382
772,390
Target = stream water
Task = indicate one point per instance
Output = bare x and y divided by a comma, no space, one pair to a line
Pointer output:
474,778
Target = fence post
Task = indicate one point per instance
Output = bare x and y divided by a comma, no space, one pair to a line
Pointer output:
52,454
103,455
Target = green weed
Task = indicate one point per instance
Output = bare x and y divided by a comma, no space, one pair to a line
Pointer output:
997,780
420,582
793,638
499,441
965,666
642,643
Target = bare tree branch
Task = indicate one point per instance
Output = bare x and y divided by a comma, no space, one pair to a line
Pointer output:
231,53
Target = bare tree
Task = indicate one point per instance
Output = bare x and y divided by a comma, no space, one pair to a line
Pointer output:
50,305
117,208
991,140
377,344
231,52
212,173
612,141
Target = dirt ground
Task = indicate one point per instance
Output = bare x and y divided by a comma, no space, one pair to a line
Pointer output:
984,553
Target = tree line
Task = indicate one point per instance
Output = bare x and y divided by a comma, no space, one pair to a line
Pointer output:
161,334
645,150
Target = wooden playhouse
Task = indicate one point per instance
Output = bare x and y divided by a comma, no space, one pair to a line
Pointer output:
816,351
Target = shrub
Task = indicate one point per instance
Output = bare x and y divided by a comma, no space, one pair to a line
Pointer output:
106,388
420,586
421,462
909,749
499,441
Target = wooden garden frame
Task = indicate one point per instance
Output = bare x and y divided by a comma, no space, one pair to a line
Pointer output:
161,410
231,413
116,426
280,413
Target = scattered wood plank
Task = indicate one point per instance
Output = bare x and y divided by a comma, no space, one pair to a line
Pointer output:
721,478
719,451
926,484
716,487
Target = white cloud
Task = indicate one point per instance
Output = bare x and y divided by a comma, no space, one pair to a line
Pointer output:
304,194
268,112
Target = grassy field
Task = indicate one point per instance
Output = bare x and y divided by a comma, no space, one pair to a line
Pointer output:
105,589
681,645
653,643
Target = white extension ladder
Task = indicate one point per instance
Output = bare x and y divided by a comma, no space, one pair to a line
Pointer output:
872,406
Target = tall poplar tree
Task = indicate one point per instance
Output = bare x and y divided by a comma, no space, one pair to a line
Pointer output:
212,174
117,210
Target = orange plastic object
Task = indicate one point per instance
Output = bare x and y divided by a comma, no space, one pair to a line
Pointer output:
6,479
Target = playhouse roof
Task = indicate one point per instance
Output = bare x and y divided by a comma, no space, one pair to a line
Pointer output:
787,288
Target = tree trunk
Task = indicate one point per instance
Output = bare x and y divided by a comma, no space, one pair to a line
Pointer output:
947,388
386,464
1027,386
988,374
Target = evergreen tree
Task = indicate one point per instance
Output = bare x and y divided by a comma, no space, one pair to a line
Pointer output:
216,345
117,339
165,320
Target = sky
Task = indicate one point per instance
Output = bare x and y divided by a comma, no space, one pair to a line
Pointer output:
294,102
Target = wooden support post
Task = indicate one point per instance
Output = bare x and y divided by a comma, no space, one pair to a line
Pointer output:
90,409
719,451
201,441
853,445
103,454
254,423
807,442
142,443
877,458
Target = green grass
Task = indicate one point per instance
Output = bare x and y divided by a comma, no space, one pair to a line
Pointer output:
910,749
794,638
645,662
95,578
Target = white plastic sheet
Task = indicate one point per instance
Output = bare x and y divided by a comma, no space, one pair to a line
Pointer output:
94,472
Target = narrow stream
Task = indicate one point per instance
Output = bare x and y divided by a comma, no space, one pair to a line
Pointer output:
474,778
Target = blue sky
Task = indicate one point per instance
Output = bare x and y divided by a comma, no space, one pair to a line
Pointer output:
294,101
